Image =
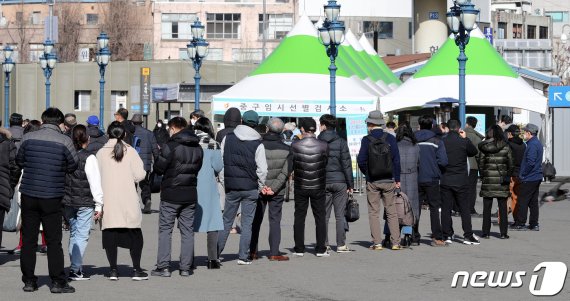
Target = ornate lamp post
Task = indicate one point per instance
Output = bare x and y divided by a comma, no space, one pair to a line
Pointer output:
7,67
103,57
197,50
331,36
461,20
47,62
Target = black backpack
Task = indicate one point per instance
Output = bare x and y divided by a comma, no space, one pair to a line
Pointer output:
379,159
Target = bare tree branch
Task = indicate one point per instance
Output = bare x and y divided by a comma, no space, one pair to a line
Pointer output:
69,18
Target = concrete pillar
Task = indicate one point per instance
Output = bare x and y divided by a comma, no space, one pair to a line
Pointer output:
429,31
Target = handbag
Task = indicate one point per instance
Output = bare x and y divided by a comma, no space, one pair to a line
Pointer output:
548,170
352,212
155,180
13,220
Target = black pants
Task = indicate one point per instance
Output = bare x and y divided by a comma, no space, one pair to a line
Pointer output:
450,195
472,189
528,198
431,193
145,188
503,222
2,214
317,199
48,213
275,204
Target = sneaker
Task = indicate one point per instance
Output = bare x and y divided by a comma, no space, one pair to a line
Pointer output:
43,249
30,287
62,289
147,208
185,273
471,240
113,275
518,227
343,249
17,251
534,228
298,254
438,243
165,272
397,247
324,254
244,262
450,239
375,247
139,275
77,276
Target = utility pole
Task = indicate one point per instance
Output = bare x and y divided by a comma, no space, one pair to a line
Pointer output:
264,30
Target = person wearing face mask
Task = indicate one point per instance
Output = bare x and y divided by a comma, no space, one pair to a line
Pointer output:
194,116
160,133
530,177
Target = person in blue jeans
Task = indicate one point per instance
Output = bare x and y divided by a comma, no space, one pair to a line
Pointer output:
83,201
244,174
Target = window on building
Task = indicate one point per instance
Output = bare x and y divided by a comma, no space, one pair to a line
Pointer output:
558,16
385,29
213,54
82,101
502,30
177,26
543,32
36,50
278,25
19,16
223,26
92,19
517,31
36,18
531,31
410,30
246,55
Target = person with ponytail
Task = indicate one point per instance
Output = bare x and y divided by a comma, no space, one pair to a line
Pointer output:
121,167
83,201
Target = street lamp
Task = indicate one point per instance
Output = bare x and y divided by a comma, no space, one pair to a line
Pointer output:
7,67
197,50
47,62
461,20
103,57
331,36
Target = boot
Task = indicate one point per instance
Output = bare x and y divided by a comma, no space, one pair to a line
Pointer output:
147,208
386,243
213,264
406,241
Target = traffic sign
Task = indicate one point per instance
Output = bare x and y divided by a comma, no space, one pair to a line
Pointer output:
559,97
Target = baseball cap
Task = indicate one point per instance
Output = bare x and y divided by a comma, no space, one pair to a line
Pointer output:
250,118
137,118
93,120
531,128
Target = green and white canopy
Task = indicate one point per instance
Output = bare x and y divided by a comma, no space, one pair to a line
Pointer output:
489,80
297,71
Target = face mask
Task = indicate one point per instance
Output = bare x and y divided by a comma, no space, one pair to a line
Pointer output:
193,121
159,125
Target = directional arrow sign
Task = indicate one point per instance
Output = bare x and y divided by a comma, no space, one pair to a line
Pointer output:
559,97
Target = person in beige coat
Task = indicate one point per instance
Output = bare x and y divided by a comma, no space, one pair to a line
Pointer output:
121,167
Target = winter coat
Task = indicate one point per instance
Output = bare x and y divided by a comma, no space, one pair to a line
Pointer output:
97,139
495,161
46,156
409,162
9,171
310,157
122,208
339,164
245,164
433,157
17,135
180,161
161,135
129,131
279,162
475,138
458,150
232,118
208,213
363,155
531,166
518,147
148,148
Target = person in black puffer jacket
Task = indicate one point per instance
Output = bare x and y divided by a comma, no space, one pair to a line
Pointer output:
309,165
148,151
97,138
518,147
339,178
232,118
9,174
179,161
160,133
495,162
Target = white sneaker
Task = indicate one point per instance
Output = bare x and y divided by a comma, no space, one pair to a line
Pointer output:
343,249
296,254
244,262
325,254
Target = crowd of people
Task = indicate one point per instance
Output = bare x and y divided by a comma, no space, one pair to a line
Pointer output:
66,171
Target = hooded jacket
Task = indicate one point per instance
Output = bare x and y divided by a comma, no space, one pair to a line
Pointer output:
9,172
433,157
180,161
245,164
495,161
339,164
279,162
232,119
310,162
518,147
458,150
96,139
475,138
148,148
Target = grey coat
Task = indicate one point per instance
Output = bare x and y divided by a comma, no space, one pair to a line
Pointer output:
279,162
475,138
409,162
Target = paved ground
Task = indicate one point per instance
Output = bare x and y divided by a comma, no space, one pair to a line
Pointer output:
421,273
